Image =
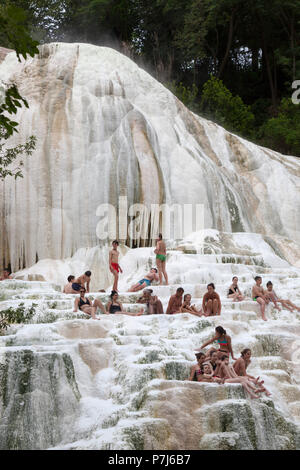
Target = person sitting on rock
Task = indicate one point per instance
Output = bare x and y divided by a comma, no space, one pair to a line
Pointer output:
213,359
241,365
146,281
81,281
208,374
229,375
114,306
259,295
234,292
188,308
6,274
196,369
175,302
211,303
272,296
68,287
85,305
154,305
224,341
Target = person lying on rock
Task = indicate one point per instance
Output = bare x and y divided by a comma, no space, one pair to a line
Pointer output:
85,304
114,306
196,369
224,341
234,292
146,281
211,303
68,287
153,304
227,373
259,295
271,295
81,281
241,365
188,308
175,302
6,274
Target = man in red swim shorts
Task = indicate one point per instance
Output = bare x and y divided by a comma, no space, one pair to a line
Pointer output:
114,266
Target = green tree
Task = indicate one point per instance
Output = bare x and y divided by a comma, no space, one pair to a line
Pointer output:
218,103
283,132
15,35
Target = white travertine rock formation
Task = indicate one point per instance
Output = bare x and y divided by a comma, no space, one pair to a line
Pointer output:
106,128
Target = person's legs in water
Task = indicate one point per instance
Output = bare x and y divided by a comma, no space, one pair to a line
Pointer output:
244,384
262,305
208,308
98,304
215,307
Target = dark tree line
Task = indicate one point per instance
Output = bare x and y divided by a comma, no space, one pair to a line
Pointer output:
249,52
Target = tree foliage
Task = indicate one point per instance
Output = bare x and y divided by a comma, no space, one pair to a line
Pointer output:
14,34
21,314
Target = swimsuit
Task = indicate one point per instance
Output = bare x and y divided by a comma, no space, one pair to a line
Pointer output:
115,266
161,257
114,308
82,302
76,286
254,298
231,291
223,342
147,281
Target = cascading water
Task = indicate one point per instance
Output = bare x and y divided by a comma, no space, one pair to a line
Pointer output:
106,129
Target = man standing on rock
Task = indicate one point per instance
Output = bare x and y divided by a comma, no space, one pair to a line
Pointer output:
114,266
161,256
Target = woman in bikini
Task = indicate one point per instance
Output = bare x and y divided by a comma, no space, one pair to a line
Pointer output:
196,369
241,365
224,342
114,306
85,305
228,374
234,292
161,257
146,281
188,308
211,302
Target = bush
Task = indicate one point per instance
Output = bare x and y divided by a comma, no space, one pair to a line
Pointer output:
282,133
230,111
21,314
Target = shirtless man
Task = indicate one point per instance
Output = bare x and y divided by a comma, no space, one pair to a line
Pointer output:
211,303
114,266
196,369
154,305
68,287
175,302
5,275
81,281
146,281
271,294
161,256
258,295
229,375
